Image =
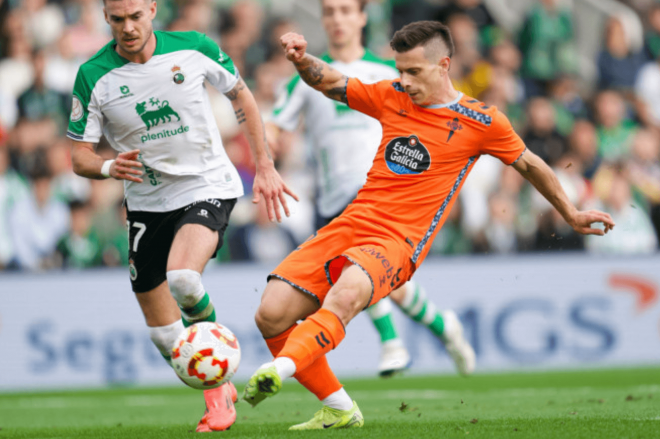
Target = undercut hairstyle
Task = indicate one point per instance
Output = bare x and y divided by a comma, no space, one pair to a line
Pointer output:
361,3
422,33
146,1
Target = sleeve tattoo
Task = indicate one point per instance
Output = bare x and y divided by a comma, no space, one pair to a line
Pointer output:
240,116
233,93
313,73
339,93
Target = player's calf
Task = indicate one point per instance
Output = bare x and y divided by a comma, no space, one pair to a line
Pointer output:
164,336
189,293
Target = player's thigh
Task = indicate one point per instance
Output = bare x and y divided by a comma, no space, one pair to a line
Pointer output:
351,293
149,238
282,305
398,294
199,234
192,248
386,263
158,306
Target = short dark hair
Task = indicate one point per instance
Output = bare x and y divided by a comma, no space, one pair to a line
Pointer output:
361,3
419,33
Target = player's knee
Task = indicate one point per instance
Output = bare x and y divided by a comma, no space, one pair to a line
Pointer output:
186,287
270,321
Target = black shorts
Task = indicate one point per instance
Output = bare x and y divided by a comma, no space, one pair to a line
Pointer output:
151,234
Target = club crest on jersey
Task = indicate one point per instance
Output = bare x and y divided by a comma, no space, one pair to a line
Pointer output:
407,155
453,125
178,77
132,270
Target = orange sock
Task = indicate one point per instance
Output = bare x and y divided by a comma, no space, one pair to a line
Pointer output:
316,336
318,378
275,344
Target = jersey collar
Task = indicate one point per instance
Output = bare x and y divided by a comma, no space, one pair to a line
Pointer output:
436,106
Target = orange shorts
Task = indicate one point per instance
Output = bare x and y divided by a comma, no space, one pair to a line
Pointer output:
317,263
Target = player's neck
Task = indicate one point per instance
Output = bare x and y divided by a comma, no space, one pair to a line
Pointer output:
444,95
143,55
348,53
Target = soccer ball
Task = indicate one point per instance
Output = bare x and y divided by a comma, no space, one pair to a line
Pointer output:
206,355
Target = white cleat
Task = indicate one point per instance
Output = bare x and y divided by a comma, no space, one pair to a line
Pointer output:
457,346
394,358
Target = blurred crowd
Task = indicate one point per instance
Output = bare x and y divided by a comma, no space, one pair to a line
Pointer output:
600,133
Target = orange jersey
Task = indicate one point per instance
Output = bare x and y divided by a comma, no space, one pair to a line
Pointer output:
422,161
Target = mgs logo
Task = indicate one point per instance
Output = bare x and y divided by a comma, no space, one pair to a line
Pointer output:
162,113
407,155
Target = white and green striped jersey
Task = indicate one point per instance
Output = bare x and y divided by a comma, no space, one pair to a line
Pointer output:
162,108
344,141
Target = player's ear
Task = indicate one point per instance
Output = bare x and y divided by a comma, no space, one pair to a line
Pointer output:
105,15
153,9
364,17
445,63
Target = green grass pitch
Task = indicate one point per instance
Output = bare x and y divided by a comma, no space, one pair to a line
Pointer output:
583,404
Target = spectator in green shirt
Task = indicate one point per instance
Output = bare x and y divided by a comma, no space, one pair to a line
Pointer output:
80,247
546,42
615,131
39,102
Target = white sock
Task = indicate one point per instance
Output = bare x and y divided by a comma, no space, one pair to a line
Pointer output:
286,368
339,400
394,343
165,336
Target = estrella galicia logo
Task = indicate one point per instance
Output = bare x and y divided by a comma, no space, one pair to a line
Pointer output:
407,155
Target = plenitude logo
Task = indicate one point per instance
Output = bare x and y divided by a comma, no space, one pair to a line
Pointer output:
159,112
165,133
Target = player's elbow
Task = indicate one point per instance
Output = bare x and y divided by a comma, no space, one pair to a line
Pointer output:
77,165
78,159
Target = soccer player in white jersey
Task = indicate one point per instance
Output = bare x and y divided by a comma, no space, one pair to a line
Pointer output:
145,91
344,142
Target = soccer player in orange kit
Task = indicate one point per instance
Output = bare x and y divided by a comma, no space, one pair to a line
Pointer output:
432,137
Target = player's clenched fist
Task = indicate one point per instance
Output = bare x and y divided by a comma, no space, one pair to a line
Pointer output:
124,166
294,46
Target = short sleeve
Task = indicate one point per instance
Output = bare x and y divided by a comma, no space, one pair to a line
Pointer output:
220,69
289,105
366,98
502,141
86,119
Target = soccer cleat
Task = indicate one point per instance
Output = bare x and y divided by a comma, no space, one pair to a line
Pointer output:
457,346
327,418
220,412
264,383
393,359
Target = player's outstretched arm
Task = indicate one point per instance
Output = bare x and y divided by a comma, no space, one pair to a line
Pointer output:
316,73
88,164
537,172
267,181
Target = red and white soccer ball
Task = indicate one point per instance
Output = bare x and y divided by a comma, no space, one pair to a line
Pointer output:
206,355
